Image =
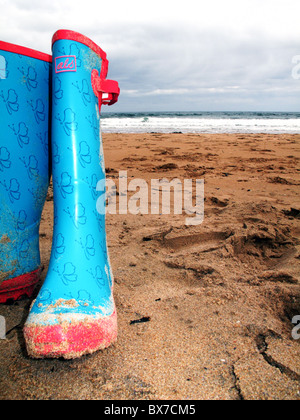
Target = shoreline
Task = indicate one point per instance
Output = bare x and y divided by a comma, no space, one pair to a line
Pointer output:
217,299
201,122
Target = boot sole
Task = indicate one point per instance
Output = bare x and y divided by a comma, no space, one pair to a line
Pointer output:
24,285
70,340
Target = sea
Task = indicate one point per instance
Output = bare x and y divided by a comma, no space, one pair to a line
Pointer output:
201,122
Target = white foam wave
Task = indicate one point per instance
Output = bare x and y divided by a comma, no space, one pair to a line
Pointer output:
199,125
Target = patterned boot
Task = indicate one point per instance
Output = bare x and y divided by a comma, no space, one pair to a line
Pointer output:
74,313
24,165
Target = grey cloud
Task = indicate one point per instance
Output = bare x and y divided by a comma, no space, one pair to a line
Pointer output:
173,65
202,67
37,5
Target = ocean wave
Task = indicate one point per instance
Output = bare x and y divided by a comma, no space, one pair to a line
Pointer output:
201,123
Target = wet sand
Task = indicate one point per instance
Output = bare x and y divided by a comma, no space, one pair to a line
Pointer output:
216,299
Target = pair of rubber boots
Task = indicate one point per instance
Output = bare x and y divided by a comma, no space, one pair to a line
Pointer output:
50,124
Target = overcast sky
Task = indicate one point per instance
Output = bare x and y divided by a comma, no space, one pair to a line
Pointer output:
188,55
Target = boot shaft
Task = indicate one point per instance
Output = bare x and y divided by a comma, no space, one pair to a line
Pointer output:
77,158
79,265
24,161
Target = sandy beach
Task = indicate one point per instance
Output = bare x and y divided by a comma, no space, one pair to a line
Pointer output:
204,312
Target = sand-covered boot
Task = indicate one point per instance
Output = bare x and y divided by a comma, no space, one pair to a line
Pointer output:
74,313
24,165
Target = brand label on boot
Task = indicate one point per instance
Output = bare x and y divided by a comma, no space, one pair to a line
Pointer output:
65,63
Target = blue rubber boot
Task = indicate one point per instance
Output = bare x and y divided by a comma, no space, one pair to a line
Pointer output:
24,165
74,313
